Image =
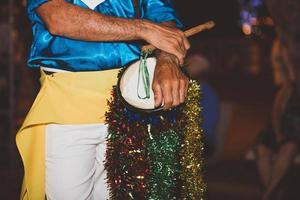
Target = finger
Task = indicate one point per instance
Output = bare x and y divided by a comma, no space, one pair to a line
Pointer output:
182,90
186,88
186,43
182,42
157,95
181,45
167,97
176,94
179,55
178,49
181,61
183,51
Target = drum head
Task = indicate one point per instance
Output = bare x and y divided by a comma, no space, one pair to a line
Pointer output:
131,88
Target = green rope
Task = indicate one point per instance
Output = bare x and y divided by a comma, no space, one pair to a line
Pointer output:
144,76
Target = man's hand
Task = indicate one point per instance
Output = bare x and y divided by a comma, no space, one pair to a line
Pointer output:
169,84
166,38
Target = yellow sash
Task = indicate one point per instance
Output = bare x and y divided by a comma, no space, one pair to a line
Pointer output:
64,98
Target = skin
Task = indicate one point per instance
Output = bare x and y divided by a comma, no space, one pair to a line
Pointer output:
284,77
264,163
272,172
169,85
281,100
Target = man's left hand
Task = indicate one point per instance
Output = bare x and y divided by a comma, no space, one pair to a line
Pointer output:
169,84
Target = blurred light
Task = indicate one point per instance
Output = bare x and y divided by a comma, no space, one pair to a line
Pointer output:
247,29
256,3
252,20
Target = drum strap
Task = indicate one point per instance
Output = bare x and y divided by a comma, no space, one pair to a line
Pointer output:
143,77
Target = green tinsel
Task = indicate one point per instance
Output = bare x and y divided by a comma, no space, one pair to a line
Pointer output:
163,149
163,165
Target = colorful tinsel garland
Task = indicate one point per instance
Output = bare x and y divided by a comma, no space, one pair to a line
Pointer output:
155,156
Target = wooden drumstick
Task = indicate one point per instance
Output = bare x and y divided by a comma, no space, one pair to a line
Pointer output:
188,33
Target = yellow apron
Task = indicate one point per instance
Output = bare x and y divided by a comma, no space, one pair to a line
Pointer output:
64,98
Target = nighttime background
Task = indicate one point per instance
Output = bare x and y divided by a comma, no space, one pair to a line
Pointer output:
240,74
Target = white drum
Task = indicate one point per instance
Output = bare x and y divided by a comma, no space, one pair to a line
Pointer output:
133,86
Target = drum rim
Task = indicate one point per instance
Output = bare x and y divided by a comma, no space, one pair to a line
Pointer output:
127,105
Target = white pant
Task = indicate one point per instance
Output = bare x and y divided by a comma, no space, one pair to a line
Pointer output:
75,162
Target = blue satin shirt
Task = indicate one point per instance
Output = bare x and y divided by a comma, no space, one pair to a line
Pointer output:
63,53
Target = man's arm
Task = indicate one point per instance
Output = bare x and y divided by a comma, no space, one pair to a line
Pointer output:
65,19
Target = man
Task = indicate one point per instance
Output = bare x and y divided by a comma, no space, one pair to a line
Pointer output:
77,44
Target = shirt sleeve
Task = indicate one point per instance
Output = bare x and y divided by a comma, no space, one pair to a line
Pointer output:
32,5
160,11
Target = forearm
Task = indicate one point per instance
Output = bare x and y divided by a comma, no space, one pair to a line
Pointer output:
78,23
70,21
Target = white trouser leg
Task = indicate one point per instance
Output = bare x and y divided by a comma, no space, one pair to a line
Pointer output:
74,162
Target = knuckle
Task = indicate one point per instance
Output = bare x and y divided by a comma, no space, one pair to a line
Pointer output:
156,93
154,85
166,85
175,82
155,88
176,44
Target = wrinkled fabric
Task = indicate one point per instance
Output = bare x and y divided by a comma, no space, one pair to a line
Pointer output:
74,55
83,96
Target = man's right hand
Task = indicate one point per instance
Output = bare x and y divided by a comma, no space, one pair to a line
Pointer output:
165,38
